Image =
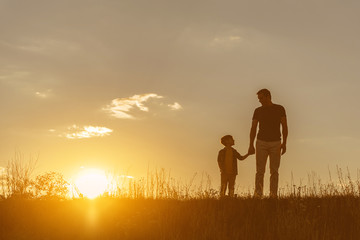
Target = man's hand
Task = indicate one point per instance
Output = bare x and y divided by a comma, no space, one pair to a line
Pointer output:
251,150
283,149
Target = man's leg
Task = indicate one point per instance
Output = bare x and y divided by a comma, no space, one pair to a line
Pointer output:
275,156
261,158
232,185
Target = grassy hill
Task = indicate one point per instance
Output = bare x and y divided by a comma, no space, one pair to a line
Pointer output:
336,217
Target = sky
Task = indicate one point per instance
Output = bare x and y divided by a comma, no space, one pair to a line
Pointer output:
128,86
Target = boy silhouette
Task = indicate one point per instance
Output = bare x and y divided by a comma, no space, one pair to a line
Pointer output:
227,160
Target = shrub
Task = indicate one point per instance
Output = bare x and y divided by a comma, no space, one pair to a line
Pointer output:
51,185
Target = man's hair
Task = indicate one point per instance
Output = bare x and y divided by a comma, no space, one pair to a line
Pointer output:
265,92
224,138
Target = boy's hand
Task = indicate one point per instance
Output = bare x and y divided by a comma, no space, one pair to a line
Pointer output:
244,157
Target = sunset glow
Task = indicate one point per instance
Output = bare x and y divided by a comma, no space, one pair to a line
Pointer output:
139,86
91,182
179,119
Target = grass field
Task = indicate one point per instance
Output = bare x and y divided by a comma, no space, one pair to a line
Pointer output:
336,217
160,207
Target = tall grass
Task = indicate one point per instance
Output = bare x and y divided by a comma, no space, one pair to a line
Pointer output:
159,206
16,179
159,184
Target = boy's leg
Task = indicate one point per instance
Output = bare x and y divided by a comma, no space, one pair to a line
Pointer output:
261,158
232,185
223,184
275,156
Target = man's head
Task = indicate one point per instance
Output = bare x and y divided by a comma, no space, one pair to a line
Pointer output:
264,96
227,141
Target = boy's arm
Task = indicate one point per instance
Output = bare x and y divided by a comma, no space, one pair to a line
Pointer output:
238,156
245,156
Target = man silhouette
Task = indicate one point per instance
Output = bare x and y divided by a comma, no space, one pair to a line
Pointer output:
268,144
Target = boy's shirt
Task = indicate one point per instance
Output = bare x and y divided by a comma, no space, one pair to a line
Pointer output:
228,163
232,155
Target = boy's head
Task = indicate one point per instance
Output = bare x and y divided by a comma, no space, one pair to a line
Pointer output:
227,141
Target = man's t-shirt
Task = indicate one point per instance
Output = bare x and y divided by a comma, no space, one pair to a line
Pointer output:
269,122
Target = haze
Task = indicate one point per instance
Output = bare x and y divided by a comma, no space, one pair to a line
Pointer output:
127,85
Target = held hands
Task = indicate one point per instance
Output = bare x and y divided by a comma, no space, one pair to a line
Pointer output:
251,150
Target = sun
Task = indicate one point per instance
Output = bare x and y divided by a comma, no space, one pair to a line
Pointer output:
91,182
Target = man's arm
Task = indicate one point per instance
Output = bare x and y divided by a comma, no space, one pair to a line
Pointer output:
284,128
220,161
252,136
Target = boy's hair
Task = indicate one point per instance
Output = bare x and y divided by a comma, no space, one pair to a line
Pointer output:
224,138
265,92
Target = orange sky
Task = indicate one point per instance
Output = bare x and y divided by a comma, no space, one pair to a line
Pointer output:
123,85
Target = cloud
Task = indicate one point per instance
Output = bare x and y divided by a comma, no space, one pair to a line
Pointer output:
175,106
227,39
43,46
44,94
75,132
347,140
120,107
6,75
